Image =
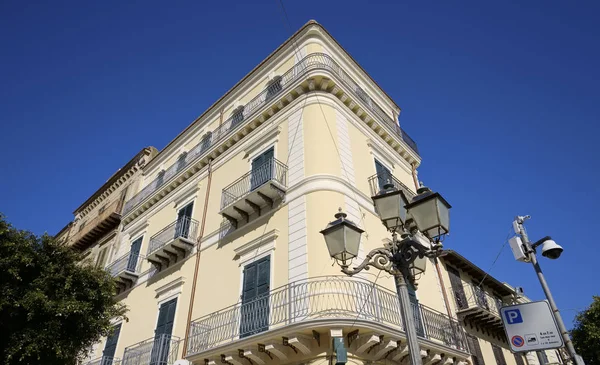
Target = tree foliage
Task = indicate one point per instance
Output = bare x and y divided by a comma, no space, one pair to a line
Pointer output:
586,333
52,308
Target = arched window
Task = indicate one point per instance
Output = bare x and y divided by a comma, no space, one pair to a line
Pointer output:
160,178
181,161
237,116
206,141
273,87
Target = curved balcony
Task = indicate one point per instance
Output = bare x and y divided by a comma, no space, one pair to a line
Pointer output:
249,194
349,302
256,111
377,181
172,242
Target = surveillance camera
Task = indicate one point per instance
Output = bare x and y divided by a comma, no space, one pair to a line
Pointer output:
519,290
551,249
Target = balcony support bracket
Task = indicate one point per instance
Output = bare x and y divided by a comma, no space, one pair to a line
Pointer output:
375,344
243,213
265,198
242,355
276,350
261,348
288,344
231,220
172,256
254,206
351,337
317,337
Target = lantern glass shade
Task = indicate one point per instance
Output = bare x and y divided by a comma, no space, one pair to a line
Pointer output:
342,238
431,213
418,266
390,205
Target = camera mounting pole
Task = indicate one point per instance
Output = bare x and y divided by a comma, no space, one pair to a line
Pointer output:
530,250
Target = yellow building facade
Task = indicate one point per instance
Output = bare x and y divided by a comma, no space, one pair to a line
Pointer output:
218,253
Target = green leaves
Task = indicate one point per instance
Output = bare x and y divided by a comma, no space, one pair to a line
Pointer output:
586,333
51,308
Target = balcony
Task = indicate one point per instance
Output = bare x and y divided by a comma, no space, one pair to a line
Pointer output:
250,194
377,181
107,219
303,311
172,242
159,350
291,85
480,308
126,270
104,360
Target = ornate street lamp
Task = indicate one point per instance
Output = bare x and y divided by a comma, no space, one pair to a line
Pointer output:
405,259
342,237
390,205
431,213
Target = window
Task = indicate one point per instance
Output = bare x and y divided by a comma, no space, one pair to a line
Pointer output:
475,350
273,87
237,116
160,178
499,302
102,255
480,296
542,357
184,222
262,169
181,161
111,346
162,333
134,255
384,175
255,297
457,288
519,359
206,140
498,355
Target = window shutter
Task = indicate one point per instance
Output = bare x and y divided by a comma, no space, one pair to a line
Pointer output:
475,350
498,355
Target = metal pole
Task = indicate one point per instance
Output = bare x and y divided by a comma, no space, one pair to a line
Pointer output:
408,319
546,288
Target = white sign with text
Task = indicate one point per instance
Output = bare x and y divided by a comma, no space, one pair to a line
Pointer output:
531,326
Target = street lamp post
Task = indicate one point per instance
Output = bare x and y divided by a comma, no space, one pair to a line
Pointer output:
406,258
551,250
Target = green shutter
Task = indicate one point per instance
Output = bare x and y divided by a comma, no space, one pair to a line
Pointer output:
111,343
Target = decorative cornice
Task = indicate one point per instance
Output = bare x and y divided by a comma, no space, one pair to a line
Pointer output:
261,140
257,243
161,290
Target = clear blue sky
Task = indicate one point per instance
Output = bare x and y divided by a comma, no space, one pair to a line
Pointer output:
502,98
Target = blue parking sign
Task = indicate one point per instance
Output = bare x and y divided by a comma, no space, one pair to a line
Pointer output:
513,316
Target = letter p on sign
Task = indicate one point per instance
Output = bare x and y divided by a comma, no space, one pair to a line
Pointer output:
513,316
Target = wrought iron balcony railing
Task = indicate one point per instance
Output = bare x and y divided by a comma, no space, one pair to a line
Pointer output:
104,360
129,262
313,61
271,170
484,300
377,181
158,350
184,227
315,299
